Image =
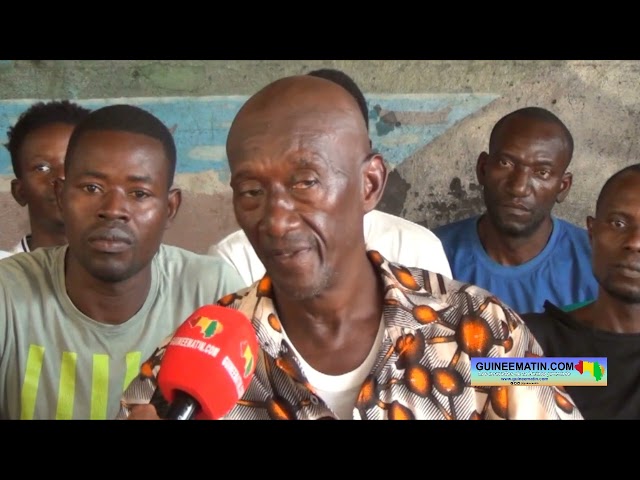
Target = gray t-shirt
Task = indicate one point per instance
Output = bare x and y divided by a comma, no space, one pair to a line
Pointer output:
57,363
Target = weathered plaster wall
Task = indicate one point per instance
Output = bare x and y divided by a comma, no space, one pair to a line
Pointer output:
431,119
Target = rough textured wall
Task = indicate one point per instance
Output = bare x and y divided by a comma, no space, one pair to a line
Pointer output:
431,119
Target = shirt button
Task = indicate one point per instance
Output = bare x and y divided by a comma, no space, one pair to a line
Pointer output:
314,400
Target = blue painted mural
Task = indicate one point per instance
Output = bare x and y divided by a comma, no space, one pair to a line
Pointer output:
400,124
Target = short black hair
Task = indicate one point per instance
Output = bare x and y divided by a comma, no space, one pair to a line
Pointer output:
39,115
536,113
346,82
635,168
126,118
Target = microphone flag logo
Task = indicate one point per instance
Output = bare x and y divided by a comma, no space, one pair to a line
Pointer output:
208,327
248,359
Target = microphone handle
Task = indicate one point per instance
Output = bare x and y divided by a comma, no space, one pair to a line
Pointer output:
158,401
183,407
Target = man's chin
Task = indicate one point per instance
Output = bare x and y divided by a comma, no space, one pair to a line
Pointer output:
630,296
296,290
516,231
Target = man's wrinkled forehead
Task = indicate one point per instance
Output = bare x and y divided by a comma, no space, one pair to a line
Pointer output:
296,140
297,124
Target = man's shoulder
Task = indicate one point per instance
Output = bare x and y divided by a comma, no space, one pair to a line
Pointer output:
27,262
195,270
550,318
451,287
20,247
554,328
537,320
243,299
28,268
440,286
170,256
452,297
451,229
572,238
456,234
571,229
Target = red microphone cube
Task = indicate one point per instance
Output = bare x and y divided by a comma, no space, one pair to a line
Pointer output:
211,357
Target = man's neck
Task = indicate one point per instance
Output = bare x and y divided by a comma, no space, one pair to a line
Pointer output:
46,237
335,330
610,314
510,250
106,302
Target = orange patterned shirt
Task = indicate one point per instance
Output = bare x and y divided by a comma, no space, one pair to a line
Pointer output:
433,326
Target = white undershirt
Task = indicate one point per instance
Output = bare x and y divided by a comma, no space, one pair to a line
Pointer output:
340,392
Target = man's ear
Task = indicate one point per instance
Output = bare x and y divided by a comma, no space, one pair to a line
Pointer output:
565,186
374,177
590,221
58,188
18,192
481,165
173,204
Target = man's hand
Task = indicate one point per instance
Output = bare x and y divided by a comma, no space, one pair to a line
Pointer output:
143,412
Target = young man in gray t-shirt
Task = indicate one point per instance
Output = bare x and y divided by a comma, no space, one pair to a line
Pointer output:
76,321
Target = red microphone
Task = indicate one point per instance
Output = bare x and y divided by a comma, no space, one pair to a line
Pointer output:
208,364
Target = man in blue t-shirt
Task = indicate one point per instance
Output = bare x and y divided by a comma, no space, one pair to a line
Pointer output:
517,250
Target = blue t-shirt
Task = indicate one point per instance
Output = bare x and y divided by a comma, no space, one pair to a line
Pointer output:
560,273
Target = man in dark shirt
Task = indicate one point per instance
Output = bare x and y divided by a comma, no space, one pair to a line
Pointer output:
610,326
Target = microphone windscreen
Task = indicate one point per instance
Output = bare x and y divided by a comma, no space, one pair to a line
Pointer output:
211,357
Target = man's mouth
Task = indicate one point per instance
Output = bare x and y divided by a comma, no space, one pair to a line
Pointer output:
629,269
112,240
515,207
283,256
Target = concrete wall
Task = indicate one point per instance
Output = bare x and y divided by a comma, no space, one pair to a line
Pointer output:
431,119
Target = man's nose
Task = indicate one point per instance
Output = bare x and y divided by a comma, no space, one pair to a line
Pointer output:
114,206
279,214
632,238
519,183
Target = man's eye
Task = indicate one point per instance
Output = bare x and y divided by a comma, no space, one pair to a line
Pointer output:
43,168
252,192
139,194
91,188
305,183
618,223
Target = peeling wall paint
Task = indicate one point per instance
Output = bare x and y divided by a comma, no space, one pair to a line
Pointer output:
400,124
430,119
